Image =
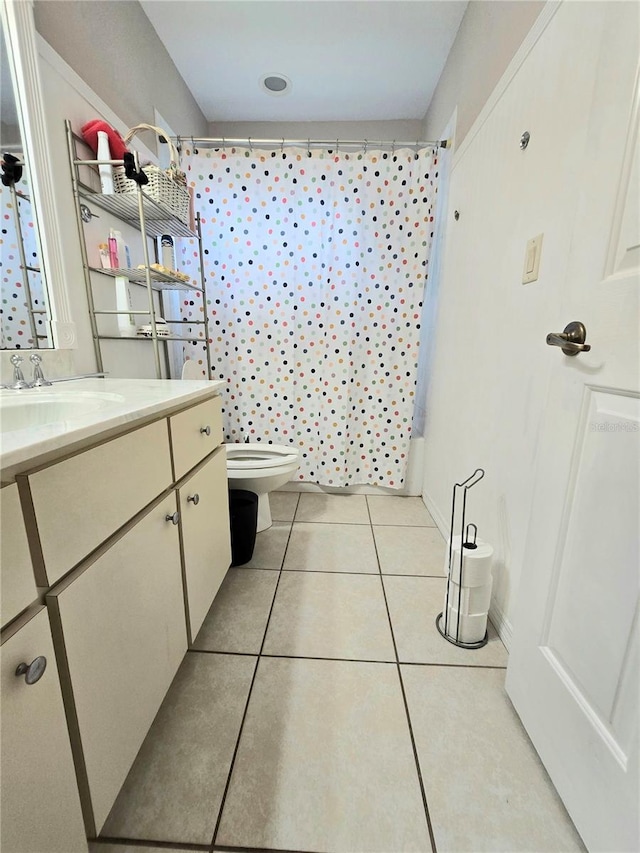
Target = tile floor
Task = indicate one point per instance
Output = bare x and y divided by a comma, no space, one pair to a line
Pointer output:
320,710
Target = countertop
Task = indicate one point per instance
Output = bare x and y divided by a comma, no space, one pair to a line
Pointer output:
89,409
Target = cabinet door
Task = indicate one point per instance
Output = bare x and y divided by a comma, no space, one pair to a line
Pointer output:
121,625
17,583
205,533
40,804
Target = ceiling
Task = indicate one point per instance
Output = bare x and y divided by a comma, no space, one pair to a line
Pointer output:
348,60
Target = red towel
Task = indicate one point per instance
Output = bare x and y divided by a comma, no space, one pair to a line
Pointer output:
117,145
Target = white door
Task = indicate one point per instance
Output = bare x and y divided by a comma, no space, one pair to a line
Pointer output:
573,672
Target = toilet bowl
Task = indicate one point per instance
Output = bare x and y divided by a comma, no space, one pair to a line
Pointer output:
261,468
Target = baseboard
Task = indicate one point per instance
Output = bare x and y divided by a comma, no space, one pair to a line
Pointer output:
441,523
500,622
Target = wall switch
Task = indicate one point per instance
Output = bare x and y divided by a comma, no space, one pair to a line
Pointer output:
532,259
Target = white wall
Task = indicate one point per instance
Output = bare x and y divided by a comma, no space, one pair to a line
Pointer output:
113,47
104,59
66,96
491,366
490,33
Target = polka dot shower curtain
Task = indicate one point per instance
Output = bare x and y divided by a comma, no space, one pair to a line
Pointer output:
316,263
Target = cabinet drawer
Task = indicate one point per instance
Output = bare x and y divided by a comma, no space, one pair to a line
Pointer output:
17,583
40,804
194,434
81,501
123,629
205,535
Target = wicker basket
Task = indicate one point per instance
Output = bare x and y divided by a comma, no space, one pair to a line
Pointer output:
167,187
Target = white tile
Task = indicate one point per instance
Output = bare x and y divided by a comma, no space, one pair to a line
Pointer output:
414,604
398,510
485,786
340,509
270,547
330,615
331,548
174,790
283,505
238,616
325,763
410,550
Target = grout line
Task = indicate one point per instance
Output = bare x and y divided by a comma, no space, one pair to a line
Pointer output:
454,665
158,845
341,572
229,848
364,524
347,660
246,707
406,706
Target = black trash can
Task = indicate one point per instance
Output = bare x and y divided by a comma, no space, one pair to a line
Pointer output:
243,515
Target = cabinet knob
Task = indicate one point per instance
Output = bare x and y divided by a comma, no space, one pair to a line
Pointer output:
206,430
173,517
32,671
195,499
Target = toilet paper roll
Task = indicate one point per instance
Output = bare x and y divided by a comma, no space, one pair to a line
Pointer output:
476,563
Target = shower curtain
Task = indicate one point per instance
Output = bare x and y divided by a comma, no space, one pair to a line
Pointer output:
315,264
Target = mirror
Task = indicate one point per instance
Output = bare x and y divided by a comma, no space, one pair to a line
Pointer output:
20,47
23,301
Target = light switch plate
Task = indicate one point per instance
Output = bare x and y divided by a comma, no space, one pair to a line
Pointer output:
532,259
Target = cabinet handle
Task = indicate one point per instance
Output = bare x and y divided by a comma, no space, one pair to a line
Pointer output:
32,671
195,499
206,430
174,517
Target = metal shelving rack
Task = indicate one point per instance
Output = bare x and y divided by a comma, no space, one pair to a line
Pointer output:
152,220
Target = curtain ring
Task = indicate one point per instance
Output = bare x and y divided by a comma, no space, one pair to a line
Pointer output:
224,144
282,145
337,145
250,145
366,143
309,147
393,147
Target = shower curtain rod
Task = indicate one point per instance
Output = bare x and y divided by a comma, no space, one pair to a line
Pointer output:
250,141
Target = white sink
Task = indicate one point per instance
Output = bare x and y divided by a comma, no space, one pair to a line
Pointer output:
26,409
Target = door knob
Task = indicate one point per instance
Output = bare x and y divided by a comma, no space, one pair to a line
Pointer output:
173,517
195,499
32,671
572,340
206,430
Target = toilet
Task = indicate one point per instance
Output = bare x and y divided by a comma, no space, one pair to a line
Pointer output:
261,468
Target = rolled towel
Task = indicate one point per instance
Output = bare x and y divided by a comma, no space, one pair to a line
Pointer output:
117,145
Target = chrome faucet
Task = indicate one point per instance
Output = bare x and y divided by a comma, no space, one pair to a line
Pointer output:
38,375
19,381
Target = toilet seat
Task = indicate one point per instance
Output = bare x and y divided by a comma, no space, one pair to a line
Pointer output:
244,457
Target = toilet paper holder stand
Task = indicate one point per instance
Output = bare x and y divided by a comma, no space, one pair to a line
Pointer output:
466,542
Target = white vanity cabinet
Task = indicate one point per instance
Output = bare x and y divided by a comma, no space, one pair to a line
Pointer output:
120,620
39,802
80,501
128,540
17,583
204,512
